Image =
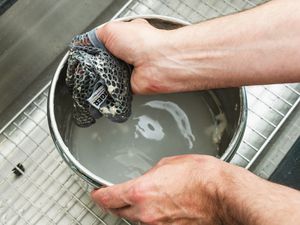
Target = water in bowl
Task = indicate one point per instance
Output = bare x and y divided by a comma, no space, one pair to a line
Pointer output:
160,126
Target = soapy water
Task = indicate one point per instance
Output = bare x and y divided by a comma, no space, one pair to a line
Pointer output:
160,126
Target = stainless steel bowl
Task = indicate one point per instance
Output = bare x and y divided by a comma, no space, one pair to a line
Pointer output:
231,102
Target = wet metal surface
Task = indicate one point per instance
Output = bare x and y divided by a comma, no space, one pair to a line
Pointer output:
47,193
33,36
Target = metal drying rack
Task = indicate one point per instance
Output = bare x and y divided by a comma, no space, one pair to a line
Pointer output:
47,192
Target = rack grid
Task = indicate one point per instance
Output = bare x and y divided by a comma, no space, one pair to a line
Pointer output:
48,192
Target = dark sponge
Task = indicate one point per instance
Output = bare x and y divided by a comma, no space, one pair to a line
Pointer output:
98,81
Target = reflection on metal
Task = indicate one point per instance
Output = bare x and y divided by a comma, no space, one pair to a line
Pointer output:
181,119
33,36
149,128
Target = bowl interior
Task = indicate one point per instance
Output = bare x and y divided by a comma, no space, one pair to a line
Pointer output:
202,122
160,126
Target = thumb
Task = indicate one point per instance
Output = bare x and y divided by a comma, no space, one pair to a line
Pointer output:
112,37
116,196
105,32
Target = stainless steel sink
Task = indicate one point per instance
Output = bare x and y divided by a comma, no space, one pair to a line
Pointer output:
34,35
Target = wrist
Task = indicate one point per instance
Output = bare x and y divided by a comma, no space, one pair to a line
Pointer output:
225,185
173,65
230,188
193,59
242,198
249,199
213,182
229,210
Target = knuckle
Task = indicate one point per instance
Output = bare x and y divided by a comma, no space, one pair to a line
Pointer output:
165,160
137,193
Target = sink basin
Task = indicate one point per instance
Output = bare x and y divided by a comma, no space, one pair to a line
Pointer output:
34,35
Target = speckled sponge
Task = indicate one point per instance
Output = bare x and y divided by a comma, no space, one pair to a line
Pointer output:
98,82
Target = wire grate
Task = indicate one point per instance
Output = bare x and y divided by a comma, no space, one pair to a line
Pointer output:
189,10
47,192
269,107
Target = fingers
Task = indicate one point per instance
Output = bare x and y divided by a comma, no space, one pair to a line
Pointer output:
113,197
135,88
141,83
139,21
104,32
72,64
118,39
129,212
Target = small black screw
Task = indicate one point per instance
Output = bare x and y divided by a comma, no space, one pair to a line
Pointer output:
17,169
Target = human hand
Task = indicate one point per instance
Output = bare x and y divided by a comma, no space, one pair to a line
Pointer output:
178,190
219,53
92,72
153,53
195,189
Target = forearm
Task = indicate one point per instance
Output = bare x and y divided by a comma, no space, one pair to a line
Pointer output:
258,46
250,200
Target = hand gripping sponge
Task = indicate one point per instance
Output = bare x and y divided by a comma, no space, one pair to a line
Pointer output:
98,82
